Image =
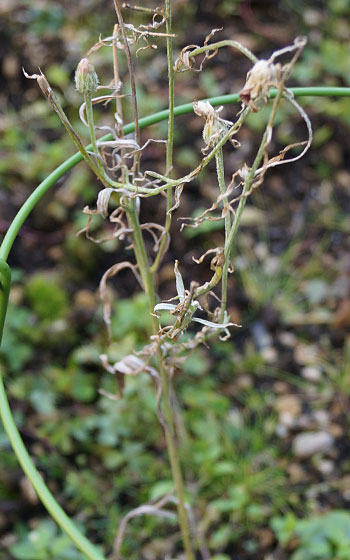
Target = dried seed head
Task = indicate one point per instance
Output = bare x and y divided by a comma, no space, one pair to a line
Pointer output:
214,124
203,109
259,79
86,79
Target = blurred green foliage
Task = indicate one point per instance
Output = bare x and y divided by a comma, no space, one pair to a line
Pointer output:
46,297
322,538
44,542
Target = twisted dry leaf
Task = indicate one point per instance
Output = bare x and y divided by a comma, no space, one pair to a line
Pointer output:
115,269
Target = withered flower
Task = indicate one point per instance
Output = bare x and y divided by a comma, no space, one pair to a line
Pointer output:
214,124
260,78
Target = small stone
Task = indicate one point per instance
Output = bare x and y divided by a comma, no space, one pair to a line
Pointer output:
325,467
321,417
306,354
305,422
297,473
244,382
336,430
288,339
269,355
281,431
281,387
310,443
311,373
287,419
261,250
288,404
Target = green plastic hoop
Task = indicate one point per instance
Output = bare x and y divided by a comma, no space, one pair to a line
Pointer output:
52,506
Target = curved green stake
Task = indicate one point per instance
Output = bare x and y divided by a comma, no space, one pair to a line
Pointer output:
39,485
5,284
52,506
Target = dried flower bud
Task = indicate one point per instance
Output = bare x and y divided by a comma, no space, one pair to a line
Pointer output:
86,78
259,79
203,109
214,125
244,172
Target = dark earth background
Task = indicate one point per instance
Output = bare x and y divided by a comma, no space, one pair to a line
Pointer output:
259,489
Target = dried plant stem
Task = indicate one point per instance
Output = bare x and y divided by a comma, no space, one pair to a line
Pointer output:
170,141
132,81
258,158
169,44
90,121
55,104
174,461
190,176
118,101
220,170
224,43
148,282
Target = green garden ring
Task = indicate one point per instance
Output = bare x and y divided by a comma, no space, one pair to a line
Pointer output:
66,524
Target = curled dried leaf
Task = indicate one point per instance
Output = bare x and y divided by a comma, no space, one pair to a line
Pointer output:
279,159
115,269
103,201
151,508
180,288
209,252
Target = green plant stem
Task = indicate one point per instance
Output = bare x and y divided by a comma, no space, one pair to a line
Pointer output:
170,141
149,287
220,170
141,254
